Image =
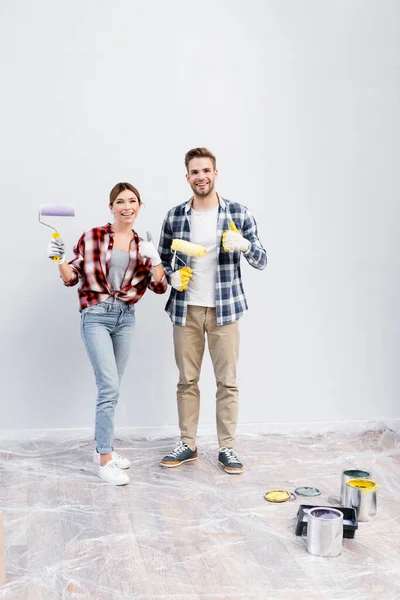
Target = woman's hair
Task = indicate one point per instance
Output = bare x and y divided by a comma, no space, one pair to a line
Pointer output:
120,187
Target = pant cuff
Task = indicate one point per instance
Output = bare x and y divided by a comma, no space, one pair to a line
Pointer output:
104,450
188,441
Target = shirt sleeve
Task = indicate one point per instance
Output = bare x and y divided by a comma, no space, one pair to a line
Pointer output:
158,287
256,255
77,262
164,247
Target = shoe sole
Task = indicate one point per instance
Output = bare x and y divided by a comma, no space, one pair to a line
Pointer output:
178,464
231,471
113,482
123,468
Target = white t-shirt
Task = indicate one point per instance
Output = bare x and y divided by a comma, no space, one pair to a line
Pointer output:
201,288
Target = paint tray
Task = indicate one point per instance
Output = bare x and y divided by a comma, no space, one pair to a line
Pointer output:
350,522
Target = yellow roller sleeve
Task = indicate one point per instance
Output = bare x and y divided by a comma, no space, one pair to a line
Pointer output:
232,227
188,248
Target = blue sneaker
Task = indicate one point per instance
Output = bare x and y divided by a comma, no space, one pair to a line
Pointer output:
180,455
228,458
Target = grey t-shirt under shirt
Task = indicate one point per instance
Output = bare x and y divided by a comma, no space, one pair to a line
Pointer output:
118,265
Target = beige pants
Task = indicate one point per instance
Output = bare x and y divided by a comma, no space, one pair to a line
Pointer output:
223,345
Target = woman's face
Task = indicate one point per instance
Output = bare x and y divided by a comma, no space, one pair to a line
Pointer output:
125,207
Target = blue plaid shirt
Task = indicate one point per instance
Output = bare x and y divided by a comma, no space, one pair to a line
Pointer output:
230,301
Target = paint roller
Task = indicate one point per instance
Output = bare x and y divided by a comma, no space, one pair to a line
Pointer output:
188,248
55,210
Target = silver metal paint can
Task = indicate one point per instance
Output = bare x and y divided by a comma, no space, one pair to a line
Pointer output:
361,495
351,474
324,532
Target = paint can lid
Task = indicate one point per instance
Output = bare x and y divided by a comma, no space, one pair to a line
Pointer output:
277,496
365,485
307,491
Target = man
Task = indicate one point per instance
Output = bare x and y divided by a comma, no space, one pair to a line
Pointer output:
207,297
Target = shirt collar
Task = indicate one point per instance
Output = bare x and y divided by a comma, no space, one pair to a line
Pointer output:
221,202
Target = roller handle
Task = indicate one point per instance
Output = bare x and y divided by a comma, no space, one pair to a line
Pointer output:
55,236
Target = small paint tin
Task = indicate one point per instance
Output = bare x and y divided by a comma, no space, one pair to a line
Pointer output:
361,495
324,531
348,474
307,491
277,496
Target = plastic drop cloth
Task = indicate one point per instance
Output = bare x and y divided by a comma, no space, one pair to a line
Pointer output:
194,532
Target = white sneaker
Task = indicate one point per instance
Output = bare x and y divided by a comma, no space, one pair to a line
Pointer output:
113,474
122,462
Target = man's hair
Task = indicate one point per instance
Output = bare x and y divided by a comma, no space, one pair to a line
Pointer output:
199,153
120,187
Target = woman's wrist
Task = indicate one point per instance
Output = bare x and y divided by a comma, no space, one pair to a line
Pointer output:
66,271
158,272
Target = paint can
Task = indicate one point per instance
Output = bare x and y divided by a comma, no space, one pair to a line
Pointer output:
324,531
361,495
351,474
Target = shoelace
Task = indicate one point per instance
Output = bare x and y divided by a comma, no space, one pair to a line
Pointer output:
178,450
230,455
113,466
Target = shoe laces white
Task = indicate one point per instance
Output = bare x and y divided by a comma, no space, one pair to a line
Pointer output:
230,455
181,447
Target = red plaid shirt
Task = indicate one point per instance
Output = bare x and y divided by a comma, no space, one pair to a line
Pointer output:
91,267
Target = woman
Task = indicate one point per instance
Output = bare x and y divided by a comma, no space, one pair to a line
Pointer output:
114,267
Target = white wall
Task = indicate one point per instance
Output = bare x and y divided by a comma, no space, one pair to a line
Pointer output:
300,103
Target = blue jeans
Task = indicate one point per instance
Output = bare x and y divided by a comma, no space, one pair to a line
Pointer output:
107,331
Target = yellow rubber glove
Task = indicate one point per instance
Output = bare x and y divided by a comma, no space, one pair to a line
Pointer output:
232,227
180,279
233,241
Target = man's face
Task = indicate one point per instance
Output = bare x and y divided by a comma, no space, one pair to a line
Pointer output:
201,176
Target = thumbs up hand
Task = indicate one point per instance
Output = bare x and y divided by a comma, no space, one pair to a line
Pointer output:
147,250
233,241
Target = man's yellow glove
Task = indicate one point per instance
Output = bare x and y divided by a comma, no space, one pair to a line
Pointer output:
180,279
233,241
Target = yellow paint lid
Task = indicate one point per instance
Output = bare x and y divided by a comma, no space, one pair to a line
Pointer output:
365,485
277,496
